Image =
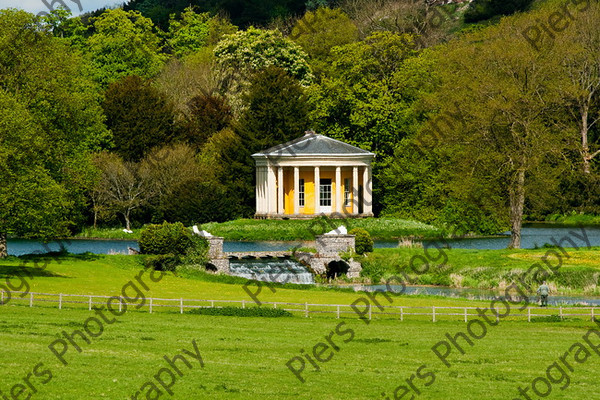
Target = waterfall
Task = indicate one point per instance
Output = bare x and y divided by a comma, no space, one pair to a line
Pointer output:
272,270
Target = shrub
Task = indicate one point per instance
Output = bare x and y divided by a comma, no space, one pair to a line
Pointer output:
165,239
243,312
364,243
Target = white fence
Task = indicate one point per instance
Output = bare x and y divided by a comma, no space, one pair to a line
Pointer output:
432,313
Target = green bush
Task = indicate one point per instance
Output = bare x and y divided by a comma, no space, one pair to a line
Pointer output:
364,243
243,312
165,238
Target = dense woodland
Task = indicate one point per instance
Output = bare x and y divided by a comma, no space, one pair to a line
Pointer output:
150,112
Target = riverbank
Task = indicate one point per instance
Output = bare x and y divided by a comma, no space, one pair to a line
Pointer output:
291,229
579,271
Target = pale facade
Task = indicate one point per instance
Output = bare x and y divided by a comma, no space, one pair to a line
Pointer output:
313,175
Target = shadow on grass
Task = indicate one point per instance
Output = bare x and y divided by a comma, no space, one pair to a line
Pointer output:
10,271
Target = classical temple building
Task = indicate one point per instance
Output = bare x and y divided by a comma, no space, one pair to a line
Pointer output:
313,175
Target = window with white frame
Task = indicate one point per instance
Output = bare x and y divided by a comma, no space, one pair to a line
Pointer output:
301,193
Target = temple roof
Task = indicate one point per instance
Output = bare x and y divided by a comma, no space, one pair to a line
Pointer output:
312,144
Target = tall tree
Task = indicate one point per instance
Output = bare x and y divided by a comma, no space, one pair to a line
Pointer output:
578,53
276,110
46,77
139,116
321,30
32,202
507,135
124,43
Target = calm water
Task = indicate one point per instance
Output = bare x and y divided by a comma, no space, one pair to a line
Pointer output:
532,235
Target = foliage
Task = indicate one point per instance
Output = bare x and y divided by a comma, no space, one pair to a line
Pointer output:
50,122
206,115
480,10
363,241
139,116
362,102
166,238
124,43
319,31
252,50
189,33
261,312
276,110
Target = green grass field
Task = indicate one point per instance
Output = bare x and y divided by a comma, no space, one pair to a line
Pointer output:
245,357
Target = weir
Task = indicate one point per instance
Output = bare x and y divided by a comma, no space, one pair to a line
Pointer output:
286,266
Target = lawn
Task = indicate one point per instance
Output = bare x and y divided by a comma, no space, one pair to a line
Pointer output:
245,358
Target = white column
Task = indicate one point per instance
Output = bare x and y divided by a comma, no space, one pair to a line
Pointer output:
296,190
280,204
317,191
367,191
271,191
354,190
338,190
258,210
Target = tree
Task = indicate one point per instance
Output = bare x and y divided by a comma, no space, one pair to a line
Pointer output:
506,136
121,187
319,31
276,110
250,51
229,165
361,101
578,53
33,203
124,43
190,34
429,21
166,168
139,116
206,115
58,102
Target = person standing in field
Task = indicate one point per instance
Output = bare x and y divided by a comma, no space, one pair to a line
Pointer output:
543,291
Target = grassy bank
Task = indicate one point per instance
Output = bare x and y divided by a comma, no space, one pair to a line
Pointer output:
245,358
574,219
489,269
379,228
290,230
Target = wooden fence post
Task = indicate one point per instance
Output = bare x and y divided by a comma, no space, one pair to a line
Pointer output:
60,301
120,303
560,313
338,311
150,305
593,319
369,312
181,305
243,303
529,315
466,314
212,303
31,299
401,314
90,303
433,313
306,309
